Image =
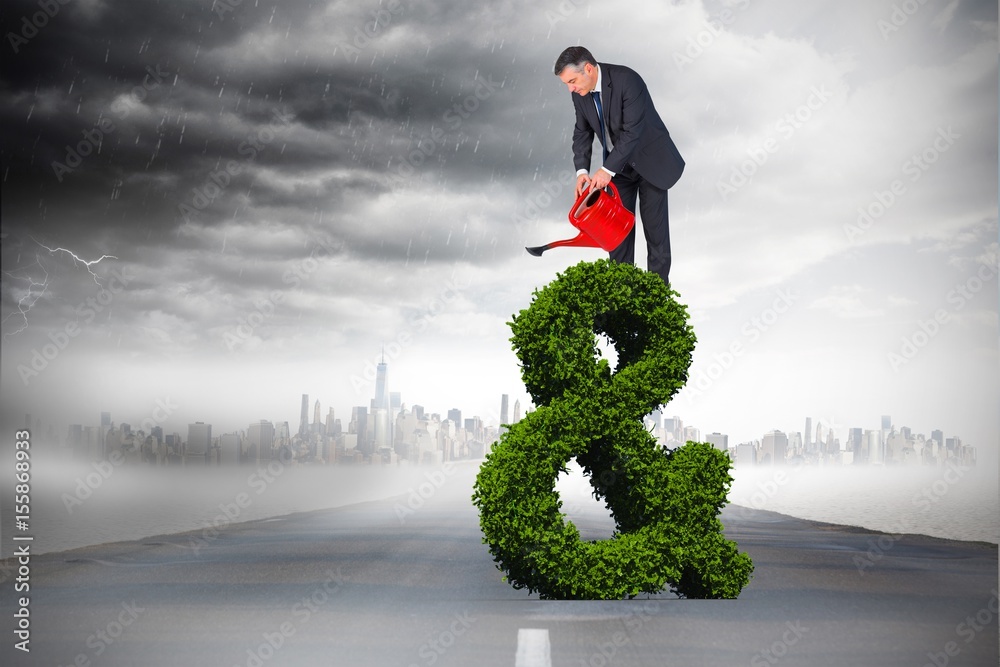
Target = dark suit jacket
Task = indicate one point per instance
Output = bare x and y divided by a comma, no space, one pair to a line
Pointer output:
639,137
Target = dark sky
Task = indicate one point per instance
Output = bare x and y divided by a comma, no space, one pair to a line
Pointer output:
285,187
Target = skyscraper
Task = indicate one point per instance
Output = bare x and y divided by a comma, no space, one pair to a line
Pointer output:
517,411
719,441
331,423
886,427
746,454
381,429
807,434
382,384
317,425
105,428
503,408
832,445
364,443
773,448
874,446
199,439
673,427
304,416
260,441
855,443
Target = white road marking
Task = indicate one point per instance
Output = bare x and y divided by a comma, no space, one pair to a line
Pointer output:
533,648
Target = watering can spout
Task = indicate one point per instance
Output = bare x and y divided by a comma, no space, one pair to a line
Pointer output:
601,218
581,240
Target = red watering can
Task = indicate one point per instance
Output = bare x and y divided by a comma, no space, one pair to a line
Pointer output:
601,218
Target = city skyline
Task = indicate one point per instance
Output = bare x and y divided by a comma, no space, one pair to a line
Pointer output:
842,433
224,223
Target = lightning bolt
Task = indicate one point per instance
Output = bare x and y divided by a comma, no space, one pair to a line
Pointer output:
79,259
28,300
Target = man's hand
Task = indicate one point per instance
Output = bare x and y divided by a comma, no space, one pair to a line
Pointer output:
582,181
600,180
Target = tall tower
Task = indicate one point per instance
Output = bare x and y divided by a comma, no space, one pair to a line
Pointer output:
504,399
304,415
330,420
517,411
260,441
382,384
382,424
317,420
361,427
855,439
807,434
106,427
773,448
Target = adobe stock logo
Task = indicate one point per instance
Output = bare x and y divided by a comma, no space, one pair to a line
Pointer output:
751,331
786,127
31,26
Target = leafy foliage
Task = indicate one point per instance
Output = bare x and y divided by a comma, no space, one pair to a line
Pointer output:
665,503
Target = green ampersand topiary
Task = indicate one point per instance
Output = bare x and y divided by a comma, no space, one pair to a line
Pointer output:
665,503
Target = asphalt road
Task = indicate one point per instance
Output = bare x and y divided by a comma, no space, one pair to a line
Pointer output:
406,583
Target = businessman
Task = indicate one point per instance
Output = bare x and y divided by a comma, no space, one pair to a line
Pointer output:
612,102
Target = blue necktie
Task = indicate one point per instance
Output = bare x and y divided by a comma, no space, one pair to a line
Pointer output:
600,120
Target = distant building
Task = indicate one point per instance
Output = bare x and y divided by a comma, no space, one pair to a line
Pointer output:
361,428
855,437
304,416
330,427
382,432
719,441
746,454
773,448
260,441
874,446
199,440
382,384
673,428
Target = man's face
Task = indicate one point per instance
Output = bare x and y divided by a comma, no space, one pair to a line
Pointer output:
582,82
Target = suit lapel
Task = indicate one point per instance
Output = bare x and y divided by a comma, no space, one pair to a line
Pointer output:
607,90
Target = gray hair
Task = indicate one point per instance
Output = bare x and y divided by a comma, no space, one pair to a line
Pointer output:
575,57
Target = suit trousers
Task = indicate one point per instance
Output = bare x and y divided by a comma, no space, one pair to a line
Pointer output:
655,222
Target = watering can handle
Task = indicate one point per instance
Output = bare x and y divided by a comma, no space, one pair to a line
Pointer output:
610,188
586,193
